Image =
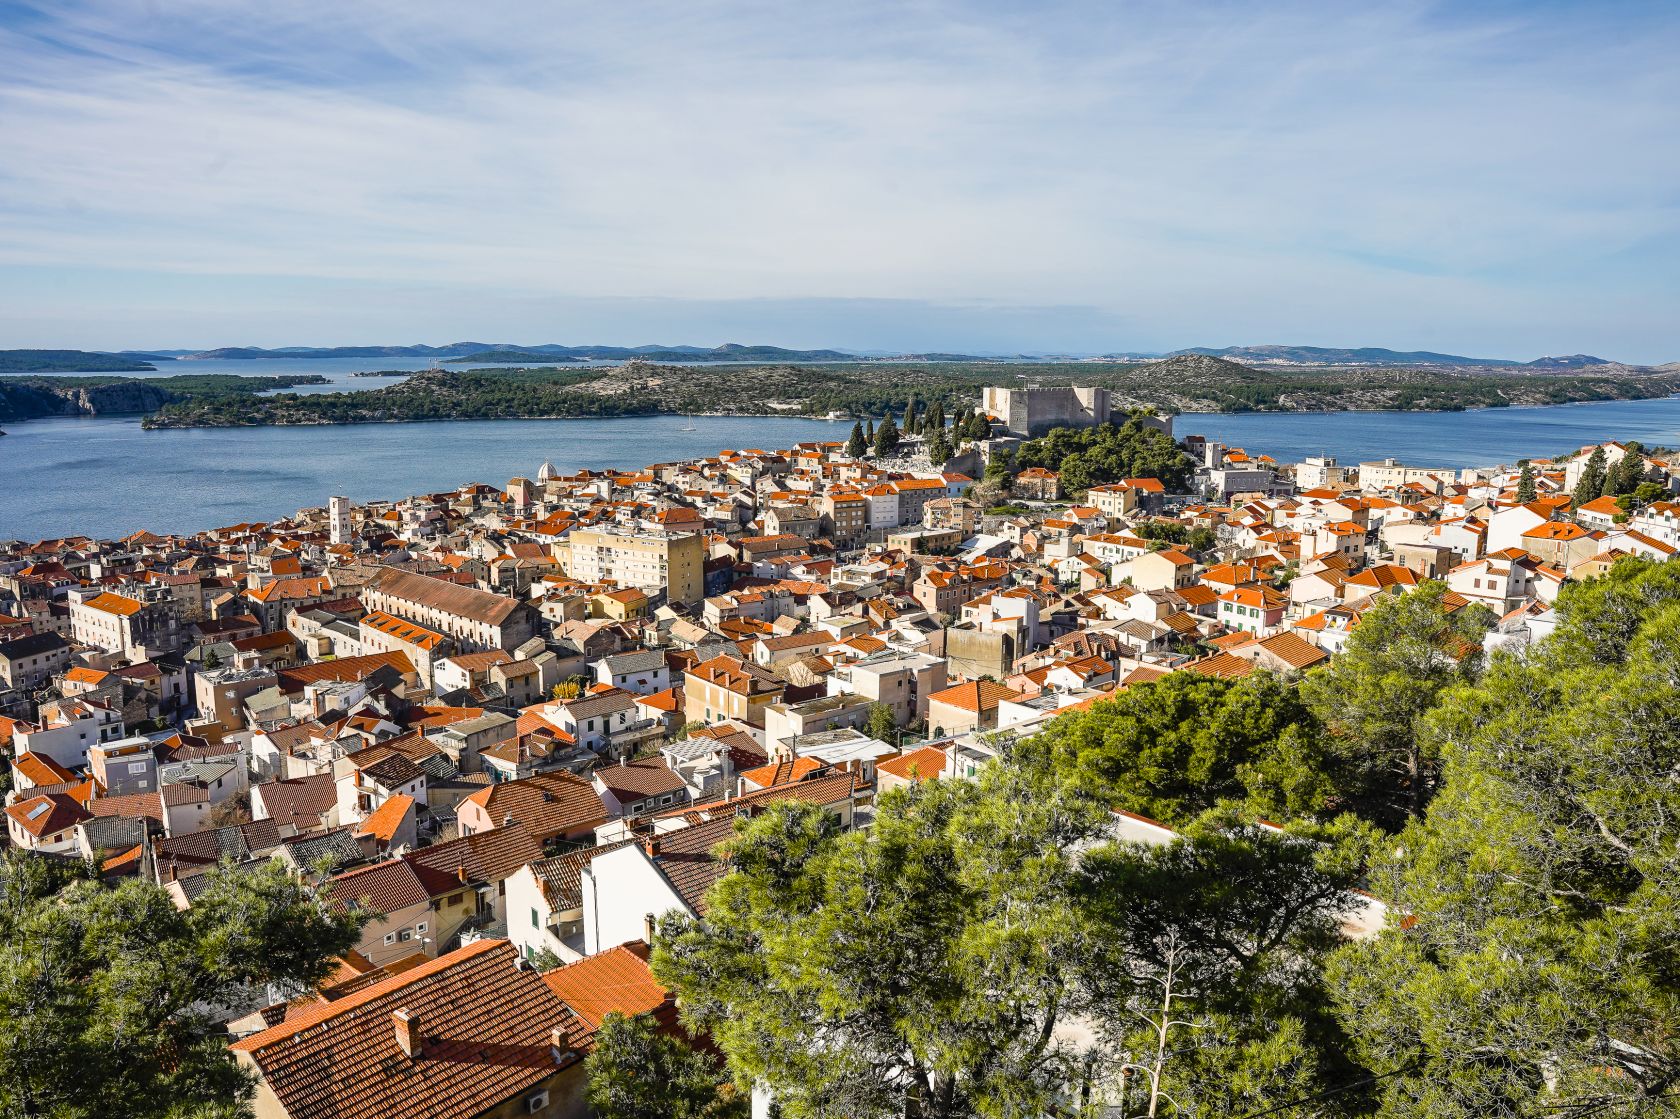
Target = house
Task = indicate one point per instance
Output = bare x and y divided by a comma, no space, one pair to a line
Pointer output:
45,822
643,672
545,903
1166,570
725,688
400,908
925,764
966,707
551,806
420,1043
635,788
1038,484
1254,609
476,620
673,870
466,877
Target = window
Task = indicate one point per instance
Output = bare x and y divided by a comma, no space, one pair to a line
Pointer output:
420,927
536,922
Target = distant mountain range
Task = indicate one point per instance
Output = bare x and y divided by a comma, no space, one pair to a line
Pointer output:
501,351
1376,355
488,353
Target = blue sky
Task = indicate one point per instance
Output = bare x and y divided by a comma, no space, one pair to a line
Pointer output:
1498,179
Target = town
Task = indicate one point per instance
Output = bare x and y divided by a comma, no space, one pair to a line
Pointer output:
516,728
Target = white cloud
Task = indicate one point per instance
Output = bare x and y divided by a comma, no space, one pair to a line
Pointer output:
1204,168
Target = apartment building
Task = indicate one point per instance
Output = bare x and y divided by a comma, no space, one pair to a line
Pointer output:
659,561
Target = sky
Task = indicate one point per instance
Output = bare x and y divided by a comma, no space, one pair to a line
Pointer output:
1497,179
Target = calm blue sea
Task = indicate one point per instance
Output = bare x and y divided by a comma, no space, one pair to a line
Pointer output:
106,476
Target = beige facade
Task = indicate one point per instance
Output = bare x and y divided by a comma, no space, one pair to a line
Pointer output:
673,562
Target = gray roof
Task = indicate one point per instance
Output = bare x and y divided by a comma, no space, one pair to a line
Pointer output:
646,660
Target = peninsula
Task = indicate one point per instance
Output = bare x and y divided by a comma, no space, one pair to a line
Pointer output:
1184,383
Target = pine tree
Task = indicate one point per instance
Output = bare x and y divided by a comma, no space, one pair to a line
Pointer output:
1526,491
1591,484
886,436
856,446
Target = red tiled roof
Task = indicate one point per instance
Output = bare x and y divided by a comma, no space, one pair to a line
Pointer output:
485,1028
615,980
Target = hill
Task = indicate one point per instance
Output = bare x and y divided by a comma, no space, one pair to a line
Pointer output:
1571,361
507,357
29,398
70,361
1326,355
1187,383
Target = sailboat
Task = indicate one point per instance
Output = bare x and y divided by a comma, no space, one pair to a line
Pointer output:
688,424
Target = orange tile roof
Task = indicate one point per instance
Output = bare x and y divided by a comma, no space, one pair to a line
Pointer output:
976,696
781,773
918,765
38,769
341,1060
114,604
384,821
615,980
401,629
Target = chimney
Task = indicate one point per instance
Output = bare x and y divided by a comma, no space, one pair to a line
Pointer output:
649,925
507,820
624,759
651,846
559,1045
407,1027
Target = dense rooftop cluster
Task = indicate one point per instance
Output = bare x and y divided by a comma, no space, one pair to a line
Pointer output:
518,720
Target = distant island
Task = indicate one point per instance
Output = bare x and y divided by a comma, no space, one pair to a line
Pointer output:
30,398
74,361
509,357
1187,383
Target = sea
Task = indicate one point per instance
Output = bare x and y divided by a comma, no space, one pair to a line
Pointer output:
105,476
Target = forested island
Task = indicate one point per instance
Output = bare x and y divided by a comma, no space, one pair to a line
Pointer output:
73,361
28,398
1188,383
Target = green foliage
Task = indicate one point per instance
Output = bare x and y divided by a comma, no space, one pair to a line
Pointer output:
1593,476
104,992
1000,467
1095,456
1539,973
855,444
886,436
926,966
1175,748
1526,490
1216,946
1374,695
883,724
914,968
1197,539
939,448
636,1071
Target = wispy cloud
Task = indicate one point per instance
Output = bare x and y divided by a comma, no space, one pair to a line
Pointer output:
1401,173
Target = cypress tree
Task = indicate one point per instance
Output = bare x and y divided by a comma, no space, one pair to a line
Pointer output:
886,436
855,446
1526,490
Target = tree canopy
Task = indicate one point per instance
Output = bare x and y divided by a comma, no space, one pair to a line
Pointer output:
1373,696
106,995
636,1071
1095,456
1175,748
1537,970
